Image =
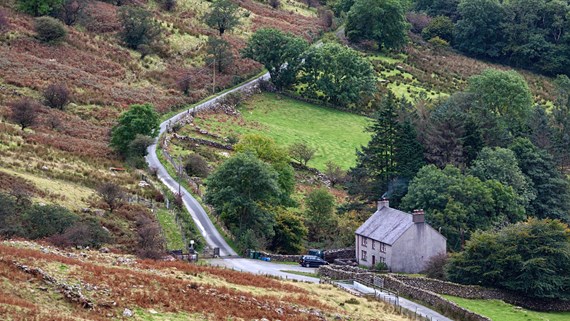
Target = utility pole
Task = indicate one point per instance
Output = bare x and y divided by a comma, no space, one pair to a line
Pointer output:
179,175
214,83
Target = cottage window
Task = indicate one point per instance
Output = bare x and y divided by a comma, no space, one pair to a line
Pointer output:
382,259
383,247
363,255
363,240
373,243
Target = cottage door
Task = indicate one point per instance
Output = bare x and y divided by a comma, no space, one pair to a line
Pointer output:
373,260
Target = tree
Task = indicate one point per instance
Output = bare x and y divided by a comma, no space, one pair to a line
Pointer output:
39,7
501,164
334,173
112,194
139,119
290,233
441,27
71,10
24,112
242,191
478,32
320,214
49,30
460,204
138,29
46,220
549,185
219,53
10,218
196,166
151,244
56,96
223,16
382,21
444,134
301,152
503,98
531,258
138,147
436,8
280,54
561,122
337,74
86,232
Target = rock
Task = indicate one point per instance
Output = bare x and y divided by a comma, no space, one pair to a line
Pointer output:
128,313
104,250
45,168
99,212
152,311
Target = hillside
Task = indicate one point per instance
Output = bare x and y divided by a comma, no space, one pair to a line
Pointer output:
65,155
42,282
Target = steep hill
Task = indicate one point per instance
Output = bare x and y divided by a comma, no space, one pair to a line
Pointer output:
41,282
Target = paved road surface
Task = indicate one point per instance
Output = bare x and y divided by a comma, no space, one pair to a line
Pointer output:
262,267
207,229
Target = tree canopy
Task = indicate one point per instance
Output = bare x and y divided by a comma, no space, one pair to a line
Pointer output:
382,21
223,16
139,119
532,258
279,52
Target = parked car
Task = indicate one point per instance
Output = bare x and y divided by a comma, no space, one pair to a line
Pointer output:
311,261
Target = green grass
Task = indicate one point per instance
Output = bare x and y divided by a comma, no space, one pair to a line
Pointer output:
309,274
334,134
501,311
171,230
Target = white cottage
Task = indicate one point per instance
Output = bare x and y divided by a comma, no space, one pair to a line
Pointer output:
401,240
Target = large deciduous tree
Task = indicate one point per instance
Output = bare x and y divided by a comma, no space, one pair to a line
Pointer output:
280,54
223,16
532,258
382,21
138,29
24,112
320,214
219,53
479,31
139,119
337,74
242,191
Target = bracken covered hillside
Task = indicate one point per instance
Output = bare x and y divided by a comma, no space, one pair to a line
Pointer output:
43,283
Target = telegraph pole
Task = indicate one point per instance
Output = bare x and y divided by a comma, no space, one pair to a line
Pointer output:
214,82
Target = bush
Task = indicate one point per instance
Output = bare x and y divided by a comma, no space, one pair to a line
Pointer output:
435,267
138,29
49,30
437,42
71,10
86,233
38,7
56,96
441,27
380,266
138,146
169,5
275,3
24,112
151,243
47,220
197,166
418,21
112,194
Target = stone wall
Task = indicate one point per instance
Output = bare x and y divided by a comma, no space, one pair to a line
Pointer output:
204,142
281,257
477,292
340,254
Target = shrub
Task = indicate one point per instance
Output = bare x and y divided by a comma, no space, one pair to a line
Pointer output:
49,30
327,18
84,233
275,3
169,5
151,243
301,152
56,96
112,194
196,165
435,267
24,112
438,42
380,266
47,220
71,10
441,27
418,21
138,28
138,146
38,7
183,84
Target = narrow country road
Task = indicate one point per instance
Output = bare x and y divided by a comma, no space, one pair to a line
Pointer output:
205,226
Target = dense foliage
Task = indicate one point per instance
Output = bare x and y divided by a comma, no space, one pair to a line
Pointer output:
337,74
382,21
139,119
49,30
39,7
223,16
532,258
280,54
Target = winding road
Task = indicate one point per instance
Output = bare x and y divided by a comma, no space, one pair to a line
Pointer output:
203,222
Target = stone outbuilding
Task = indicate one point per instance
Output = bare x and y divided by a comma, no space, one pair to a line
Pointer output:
405,242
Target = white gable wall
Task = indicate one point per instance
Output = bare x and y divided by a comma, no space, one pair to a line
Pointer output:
415,247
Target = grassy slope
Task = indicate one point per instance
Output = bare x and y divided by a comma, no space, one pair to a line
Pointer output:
161,290
501,311
334,134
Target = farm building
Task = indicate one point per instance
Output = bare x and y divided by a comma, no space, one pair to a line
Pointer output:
405,242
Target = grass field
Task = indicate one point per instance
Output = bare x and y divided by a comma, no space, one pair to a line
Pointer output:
334,134
171,230
501,311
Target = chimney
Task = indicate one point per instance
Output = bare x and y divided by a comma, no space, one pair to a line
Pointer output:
383,202
418,216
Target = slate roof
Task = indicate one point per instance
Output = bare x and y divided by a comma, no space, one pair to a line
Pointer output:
386,225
